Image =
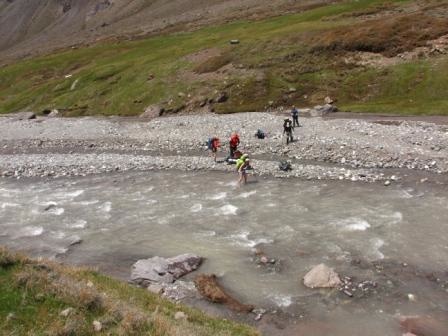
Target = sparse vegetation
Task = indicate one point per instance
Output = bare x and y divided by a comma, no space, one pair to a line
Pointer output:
46,298
304,51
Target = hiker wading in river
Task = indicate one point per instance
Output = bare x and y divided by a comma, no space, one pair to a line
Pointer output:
242,165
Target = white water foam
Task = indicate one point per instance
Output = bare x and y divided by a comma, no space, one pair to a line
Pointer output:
242,239
79,224
57,234
218,196
105,207
205,233
29,231
228,209
352,224
248,194
280,300
374,250
10,205
56,211
68,195
196,207
91,202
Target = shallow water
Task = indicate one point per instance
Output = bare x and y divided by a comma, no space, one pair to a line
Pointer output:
121,218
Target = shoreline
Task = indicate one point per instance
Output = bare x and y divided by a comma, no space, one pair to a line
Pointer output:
325,149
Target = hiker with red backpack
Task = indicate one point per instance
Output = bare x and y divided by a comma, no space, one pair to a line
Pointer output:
213,144
233,144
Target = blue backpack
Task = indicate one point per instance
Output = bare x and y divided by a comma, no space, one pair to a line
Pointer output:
210,143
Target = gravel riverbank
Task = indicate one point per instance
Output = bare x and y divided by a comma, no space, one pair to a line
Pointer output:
343,149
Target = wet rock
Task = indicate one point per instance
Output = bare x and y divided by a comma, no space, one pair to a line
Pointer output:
164,270
209,288
423,326
322,276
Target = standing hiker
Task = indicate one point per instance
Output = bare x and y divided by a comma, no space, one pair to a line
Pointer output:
233,144
287,129
212,145
295,116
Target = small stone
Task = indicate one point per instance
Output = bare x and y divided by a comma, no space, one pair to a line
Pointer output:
66,312
180,316
412,298
387,183
97,326
155,288
264,260
11,316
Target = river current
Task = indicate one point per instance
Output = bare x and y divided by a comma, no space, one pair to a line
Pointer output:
113,220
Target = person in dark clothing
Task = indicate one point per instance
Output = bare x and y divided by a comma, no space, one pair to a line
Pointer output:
287,129
295,117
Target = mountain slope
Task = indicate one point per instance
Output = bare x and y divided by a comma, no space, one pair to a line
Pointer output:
369,55
30,26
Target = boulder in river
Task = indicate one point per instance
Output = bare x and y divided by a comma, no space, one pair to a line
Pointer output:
164,270
209,288
322,276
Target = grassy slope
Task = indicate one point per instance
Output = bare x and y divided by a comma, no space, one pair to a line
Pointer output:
35,293
112,78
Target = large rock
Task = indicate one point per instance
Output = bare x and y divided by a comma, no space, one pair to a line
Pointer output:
321,110
25,116
164,270
152,111
209,288
322,276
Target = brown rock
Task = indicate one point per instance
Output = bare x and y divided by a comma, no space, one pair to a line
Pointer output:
209,287
423,326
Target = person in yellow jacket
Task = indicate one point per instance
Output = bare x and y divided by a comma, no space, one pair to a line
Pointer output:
242,164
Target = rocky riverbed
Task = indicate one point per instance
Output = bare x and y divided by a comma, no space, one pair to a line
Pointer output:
341,149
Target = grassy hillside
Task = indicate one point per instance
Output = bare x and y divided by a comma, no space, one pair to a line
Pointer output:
296,58
34,293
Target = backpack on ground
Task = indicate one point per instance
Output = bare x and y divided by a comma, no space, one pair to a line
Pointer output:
260,134
285,166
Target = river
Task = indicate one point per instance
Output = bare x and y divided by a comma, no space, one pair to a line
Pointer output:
115,219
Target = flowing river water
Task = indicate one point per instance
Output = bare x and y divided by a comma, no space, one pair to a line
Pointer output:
121,218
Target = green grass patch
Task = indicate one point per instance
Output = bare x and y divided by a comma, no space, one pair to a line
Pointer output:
33,295
122,78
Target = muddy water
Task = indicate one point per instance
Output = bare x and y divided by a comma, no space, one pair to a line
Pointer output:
121,218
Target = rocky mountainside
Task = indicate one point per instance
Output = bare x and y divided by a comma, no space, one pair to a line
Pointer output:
30,26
